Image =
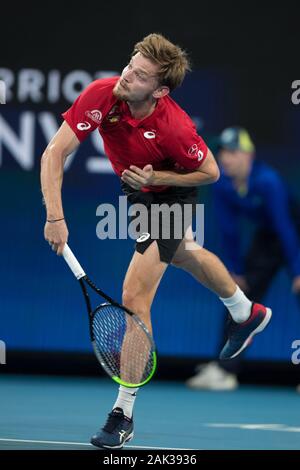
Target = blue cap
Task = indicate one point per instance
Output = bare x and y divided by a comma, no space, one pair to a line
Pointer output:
236,138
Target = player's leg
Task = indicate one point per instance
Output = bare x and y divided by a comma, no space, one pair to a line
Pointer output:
206,267
141,282
246,318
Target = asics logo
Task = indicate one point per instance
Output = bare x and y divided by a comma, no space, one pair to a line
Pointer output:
149,135
83,126
200,155
122,434
143,237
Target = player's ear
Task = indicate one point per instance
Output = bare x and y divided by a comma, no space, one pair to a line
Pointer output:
161,91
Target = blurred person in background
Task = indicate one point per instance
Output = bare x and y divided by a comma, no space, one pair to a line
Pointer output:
249,188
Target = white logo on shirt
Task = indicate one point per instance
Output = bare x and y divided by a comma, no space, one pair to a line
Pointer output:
94,115
200,155
83,126
149,135
143,237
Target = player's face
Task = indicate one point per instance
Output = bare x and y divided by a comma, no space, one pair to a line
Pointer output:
139,80
235,163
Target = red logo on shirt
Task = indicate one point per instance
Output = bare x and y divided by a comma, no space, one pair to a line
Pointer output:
94,115
193,150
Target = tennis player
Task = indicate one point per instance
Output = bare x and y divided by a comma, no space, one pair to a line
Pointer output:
154,148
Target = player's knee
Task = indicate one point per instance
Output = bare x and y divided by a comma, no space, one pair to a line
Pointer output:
127,297
136,302
141,309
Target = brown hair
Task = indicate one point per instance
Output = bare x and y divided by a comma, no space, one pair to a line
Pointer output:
173,61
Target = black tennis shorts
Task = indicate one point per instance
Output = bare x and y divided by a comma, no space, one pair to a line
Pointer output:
166,216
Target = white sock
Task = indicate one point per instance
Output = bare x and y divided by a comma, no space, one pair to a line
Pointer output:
238,305
125,400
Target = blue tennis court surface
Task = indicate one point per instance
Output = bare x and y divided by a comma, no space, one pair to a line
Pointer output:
45,412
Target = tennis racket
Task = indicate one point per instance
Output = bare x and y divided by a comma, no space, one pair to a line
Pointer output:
121,341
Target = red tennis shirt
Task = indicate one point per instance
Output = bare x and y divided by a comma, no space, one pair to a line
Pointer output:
167,139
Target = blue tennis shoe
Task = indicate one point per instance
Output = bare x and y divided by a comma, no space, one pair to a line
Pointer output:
117,430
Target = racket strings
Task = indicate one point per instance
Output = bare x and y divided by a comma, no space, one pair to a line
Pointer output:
125,349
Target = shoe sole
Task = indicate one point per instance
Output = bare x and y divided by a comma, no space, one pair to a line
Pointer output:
214,388
260,328
114,447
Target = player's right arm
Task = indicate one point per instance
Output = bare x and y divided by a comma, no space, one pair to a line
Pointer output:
79,123
62,144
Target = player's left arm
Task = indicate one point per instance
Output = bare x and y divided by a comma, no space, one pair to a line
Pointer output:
206,173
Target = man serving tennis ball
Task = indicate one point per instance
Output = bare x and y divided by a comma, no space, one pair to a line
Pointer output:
154,148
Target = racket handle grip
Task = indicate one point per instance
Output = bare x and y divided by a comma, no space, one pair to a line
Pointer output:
72,262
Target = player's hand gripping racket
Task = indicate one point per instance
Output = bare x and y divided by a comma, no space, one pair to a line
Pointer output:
121,341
